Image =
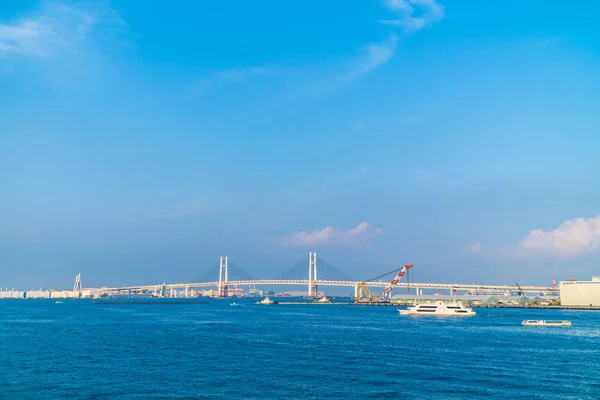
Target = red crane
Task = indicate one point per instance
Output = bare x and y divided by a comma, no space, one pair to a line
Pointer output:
386,296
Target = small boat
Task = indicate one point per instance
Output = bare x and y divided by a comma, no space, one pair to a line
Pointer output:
322,300
439,309
545,323
266,300
58,302
234,304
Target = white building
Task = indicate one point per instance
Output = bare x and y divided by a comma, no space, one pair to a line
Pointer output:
64,294
580,293
12,294
37,294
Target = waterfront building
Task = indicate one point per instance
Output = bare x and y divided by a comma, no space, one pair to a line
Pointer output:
580,293
12,294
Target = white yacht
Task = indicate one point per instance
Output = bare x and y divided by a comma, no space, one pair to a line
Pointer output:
545,323
439,308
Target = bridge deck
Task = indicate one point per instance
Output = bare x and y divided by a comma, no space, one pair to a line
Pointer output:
420,285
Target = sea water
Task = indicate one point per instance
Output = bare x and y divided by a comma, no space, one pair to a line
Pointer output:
82,350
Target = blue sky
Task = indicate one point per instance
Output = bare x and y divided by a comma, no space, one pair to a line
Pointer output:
139,142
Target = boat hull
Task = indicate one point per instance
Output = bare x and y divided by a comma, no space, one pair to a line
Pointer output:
547,323
410,312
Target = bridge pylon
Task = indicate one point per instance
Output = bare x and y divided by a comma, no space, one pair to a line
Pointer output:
77,285
312,274
223,277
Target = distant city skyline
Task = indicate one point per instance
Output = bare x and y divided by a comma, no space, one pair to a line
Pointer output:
139,142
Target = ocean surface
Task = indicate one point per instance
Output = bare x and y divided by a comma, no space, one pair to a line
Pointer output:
82,350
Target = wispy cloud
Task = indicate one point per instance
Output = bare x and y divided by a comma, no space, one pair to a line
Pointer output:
23,37
373,55
200,85
23,229
414,15
55,29
184,210
408,118
356,174
290,84
162,212
476,247
239,73
572,237
355,237
359,126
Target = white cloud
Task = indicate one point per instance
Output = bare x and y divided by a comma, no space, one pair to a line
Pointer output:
203,84
22,37
476,247
414,15
56,29
572,237
356,237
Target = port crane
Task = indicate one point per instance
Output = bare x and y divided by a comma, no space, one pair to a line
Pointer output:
364,293
386,296
521,292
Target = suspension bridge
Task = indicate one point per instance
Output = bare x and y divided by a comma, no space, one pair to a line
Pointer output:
312,274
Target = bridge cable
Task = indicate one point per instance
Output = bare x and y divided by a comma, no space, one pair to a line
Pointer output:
236,273
298,271
326,271
396,270
211,274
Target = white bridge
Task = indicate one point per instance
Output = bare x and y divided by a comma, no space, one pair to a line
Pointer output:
313,282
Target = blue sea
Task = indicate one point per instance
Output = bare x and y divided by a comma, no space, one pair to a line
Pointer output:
82,350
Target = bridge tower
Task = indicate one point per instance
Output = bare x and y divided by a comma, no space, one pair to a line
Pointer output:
312,274
77,285
223,277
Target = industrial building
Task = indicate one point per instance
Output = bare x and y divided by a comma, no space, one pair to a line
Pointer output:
77,292
20,294
580,293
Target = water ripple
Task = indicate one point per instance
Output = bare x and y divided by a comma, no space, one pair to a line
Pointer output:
79,350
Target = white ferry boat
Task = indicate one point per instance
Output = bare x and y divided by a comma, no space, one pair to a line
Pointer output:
545,323
439,308
266,300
